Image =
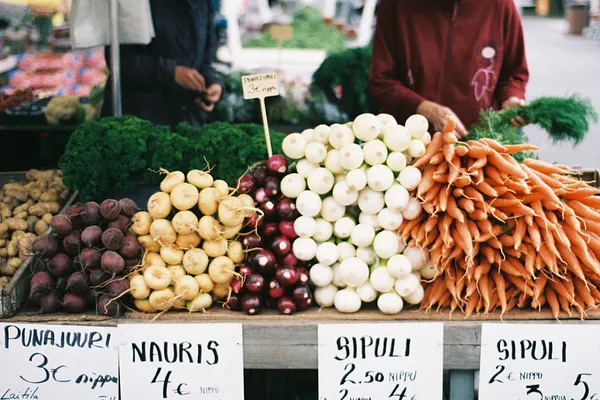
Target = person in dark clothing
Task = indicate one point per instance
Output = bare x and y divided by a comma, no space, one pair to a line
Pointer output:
448,57
171,80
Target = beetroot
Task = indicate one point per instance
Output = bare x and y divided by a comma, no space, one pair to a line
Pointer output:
255,283
128,207
263,262
107,306
277,165
60,265
117,286
49,303
246,184
290,260
74,214
234,303
251,304
287,229
112,262
261,195
245,270
275,289
287,210
133,262
254,221
92,236
90,214
251,241
61,286
236,286
286,305
99,277
90,257
270,229
72,243
281,246
121,223
286,276
303,276
131,247
61,225
260,174
41,283
113,239
271,186
301,293
74,303
45,246
110,209
78,283
269,209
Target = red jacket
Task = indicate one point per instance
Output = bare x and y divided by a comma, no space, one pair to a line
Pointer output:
467,55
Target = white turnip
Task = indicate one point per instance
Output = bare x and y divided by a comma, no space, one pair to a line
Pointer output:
159,205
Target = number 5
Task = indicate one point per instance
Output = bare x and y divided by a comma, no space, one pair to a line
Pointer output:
586,388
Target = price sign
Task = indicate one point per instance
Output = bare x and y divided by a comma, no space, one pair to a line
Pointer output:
172,361
381,361
258,87
540,362
281,33
49,362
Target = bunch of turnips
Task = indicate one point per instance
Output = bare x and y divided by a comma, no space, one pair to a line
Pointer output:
352,187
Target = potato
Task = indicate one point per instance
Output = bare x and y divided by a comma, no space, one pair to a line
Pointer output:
22,215
15,263
13,186
22,208
3,252
3,243
18,194
31,221
35,193
16,224
38,210
41,227
53,207
4,280
49,196
5,212
16,235
3,227
47,218
64,195
25,243
12,250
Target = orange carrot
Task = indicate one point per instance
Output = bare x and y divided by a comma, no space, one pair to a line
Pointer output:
577,194
450,125
443,198
432,149
448,151
544,167
461,151
486,189
552,299
463,181
479,163
517,148
504,165
584,211
449,137
530,198
479,215
519,233
496,146
534,234
454,211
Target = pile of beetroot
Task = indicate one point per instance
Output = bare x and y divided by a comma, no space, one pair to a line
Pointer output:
271,277
87,256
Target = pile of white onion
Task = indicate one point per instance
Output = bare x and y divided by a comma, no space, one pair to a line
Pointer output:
351,186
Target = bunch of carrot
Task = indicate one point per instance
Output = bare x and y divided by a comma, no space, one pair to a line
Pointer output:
503,234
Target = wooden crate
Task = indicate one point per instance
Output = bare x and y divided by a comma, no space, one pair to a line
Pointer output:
591,176
16,292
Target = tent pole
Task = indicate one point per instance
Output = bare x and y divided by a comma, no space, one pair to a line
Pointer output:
115,58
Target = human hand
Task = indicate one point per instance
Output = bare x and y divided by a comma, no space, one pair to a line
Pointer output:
511,102
189,78
438,116
211,96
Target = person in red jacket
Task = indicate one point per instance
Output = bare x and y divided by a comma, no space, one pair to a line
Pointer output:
444,58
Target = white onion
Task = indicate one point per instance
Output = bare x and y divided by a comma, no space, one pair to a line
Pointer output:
305,167
346,250
332,162
416,297
375,152
390,303
396,138
356,179
417,125
343,195
292,185
426,138
293,146
381,280
396,161
315,152
305,226
343,227
308,204
324,296
366,127
370,201
327,253
399,266
386,120
351,156
428,271
385,244
397,197
401,243
363,235
366,254
304,249
369,219
321,134
407,285
308,135
354,271
320,181
390,219
340,136
412,210
366,292
410,177
332,210
324,230
416,148
337,276
418,257
380,178
347,301
321,275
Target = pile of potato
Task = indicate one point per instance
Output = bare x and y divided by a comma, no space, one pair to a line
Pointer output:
26,211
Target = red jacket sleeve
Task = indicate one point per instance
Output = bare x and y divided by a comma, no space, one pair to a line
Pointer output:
389,94
514,74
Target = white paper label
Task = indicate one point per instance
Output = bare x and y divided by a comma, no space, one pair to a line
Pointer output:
187,361
540,362
48,362
261,85
399,361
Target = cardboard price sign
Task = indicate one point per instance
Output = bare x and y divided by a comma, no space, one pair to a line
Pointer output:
398,361
540,362
281,33
49,362
173,361
258,87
